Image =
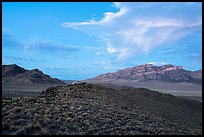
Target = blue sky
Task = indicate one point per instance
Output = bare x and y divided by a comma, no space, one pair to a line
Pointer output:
80,40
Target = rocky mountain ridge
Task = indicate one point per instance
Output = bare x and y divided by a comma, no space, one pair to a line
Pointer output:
15,74
146,72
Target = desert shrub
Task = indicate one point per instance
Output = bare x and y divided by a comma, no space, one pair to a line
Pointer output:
29,114
7,120
36,117
29,128
44,131
19,121
47,121
17,109
13,127
20,132
5,126
70,114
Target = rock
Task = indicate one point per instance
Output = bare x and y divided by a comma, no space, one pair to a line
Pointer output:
72,108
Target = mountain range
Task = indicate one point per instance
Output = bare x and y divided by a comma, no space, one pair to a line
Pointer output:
150,76
168,73
14,74
143,76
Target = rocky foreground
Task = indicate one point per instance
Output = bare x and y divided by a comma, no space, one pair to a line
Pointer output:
93,109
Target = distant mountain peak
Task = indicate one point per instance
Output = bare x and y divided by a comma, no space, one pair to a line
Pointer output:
36,71
13,65
12,70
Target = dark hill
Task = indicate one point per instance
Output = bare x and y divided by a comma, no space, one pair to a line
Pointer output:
17,75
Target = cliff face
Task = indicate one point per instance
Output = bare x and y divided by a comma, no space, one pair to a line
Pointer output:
168,73
18,75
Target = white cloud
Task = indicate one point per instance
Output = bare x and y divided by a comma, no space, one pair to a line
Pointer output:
111,50
100,63
108,65
99,53
195,55
158,63
7,31
47,44
137,28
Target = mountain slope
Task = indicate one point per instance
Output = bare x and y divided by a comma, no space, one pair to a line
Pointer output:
18,75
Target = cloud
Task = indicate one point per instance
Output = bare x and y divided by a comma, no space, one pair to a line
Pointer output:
9,39
13,58
196,55
100,63
108,65
158,63
7,32
47,45
138,28
169,51
98,53
113,65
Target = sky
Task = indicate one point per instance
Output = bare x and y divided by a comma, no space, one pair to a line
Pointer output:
80,40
